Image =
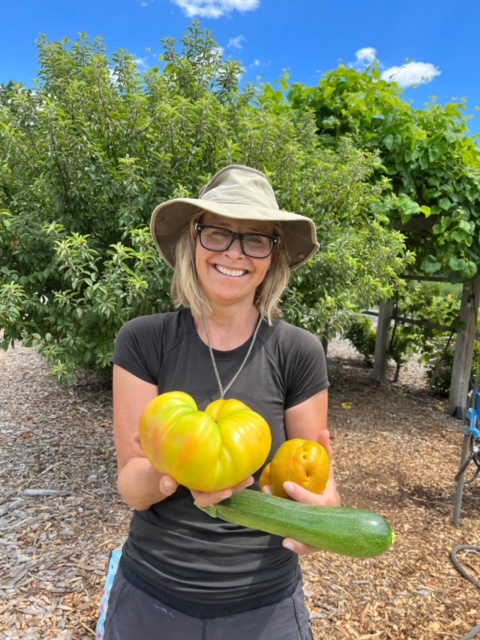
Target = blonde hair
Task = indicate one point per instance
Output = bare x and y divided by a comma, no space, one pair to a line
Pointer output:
186,292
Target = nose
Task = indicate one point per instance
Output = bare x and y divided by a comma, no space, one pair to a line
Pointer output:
235,248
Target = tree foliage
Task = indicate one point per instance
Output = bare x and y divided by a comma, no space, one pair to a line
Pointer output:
431,162
87,155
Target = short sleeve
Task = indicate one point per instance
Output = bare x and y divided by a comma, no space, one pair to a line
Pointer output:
305,367
138,348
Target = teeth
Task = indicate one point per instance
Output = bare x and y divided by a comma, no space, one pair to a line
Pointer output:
235,273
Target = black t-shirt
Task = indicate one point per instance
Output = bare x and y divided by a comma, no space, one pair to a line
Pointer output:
174,547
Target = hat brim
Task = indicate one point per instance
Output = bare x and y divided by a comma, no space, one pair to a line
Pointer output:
171,217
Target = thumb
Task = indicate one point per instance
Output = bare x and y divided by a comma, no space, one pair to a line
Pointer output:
168,486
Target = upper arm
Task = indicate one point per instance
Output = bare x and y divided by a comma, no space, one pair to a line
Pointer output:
309,418
130,397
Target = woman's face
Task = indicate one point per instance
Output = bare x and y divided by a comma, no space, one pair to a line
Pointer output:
229,276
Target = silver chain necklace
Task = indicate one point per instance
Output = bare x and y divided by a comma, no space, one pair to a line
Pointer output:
212,356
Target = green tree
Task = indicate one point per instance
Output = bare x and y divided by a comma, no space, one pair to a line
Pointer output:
427,154
86,157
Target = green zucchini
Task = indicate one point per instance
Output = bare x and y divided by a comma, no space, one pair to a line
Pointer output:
347,531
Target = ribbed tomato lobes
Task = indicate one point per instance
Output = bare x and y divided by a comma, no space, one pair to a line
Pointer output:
304,462
206,450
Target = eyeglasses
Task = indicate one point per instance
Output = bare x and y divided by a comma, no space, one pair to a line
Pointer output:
254,245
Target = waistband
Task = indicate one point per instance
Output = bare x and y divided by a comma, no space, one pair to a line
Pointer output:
201,610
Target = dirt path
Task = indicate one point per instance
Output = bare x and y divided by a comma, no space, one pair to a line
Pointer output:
396,452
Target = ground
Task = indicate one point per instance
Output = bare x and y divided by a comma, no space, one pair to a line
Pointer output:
396,452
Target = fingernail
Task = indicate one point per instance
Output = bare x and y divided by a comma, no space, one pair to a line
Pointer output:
289,487
168,485
289,546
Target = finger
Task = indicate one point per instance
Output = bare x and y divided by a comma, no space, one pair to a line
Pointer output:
204,499
299,494
243,485
298,547
168,486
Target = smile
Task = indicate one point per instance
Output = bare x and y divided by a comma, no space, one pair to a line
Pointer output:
234,273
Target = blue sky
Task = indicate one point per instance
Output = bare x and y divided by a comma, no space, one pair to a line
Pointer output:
433,44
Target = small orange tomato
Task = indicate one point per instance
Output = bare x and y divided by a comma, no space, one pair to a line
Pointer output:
304,462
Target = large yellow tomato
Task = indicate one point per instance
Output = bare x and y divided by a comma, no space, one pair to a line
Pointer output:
206,450
304,462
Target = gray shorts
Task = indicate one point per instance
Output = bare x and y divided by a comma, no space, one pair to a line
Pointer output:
134,615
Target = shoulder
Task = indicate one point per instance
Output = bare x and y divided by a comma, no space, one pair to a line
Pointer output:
143,342
296,338
296,349
155,333
152,325
293,348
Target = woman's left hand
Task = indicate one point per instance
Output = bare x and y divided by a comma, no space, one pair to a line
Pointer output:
329,498
308,420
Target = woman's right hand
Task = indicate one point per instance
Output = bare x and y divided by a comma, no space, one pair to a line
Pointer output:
206,499
168,486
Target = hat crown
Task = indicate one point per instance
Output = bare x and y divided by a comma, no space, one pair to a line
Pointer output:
237,184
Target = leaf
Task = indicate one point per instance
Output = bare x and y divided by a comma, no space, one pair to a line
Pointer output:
407,207
389,141
458,236
445,204
430,265
328,91
427,212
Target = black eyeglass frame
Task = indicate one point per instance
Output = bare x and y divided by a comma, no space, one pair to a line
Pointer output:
234,235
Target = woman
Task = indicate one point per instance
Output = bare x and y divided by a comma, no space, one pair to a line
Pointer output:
182,573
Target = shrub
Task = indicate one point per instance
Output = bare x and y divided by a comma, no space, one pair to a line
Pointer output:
440,368
362,336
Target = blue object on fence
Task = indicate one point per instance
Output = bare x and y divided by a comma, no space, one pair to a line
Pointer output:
113,561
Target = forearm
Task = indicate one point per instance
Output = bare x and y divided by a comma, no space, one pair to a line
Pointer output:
139,484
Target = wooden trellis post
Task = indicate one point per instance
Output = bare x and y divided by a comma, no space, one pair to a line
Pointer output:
383,341
462,362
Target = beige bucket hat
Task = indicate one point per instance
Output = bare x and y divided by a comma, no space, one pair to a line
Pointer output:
241,193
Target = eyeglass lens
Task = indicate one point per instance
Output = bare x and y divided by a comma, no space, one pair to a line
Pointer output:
218,239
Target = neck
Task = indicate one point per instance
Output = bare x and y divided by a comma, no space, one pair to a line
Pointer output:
227,328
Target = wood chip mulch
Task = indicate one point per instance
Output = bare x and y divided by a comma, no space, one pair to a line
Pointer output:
396,452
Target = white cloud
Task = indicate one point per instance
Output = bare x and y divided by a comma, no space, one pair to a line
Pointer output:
215,8
411,73
366,56
407,75
236,43
141,63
